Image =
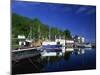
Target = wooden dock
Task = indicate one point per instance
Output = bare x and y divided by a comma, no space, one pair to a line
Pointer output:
24,53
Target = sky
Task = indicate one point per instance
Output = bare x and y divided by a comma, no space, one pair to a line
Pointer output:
79,19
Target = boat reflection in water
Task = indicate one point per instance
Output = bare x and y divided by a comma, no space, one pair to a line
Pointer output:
67,60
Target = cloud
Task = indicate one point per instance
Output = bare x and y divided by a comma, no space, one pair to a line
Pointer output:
82,9
91,11
86,10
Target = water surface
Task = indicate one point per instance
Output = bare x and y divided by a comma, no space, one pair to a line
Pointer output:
78,59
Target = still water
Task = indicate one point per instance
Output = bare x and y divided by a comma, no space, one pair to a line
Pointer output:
77,59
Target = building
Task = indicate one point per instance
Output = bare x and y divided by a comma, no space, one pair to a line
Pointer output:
21,40
79,39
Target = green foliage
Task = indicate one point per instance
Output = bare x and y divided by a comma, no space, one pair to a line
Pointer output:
67,34
23,25
20,25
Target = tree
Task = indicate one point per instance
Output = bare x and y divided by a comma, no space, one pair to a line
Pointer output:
67,34
22,26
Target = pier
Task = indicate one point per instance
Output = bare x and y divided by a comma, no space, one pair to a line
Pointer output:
25,53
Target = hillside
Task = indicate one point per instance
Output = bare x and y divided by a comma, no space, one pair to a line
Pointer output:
22,26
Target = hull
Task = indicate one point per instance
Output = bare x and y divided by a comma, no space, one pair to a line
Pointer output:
52,48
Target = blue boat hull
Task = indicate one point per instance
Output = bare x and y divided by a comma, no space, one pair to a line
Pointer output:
52,48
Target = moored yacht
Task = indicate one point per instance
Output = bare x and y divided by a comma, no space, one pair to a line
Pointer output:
51,46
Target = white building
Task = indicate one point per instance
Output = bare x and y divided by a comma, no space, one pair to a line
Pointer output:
82,39
79,39
21,39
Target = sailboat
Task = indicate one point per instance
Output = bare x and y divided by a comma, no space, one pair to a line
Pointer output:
51,46
31,40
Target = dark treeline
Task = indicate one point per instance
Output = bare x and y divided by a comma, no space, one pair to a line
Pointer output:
24,26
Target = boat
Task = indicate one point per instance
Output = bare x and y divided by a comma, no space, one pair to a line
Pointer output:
51,46
85,46
88,46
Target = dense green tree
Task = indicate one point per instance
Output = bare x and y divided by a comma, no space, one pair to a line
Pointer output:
35,28
67,34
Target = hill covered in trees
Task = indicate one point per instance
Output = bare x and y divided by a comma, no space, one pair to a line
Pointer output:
24,26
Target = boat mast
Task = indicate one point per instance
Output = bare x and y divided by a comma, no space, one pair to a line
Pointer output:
49,33
39,31
30,36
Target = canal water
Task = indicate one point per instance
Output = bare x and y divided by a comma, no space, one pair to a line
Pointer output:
77,59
